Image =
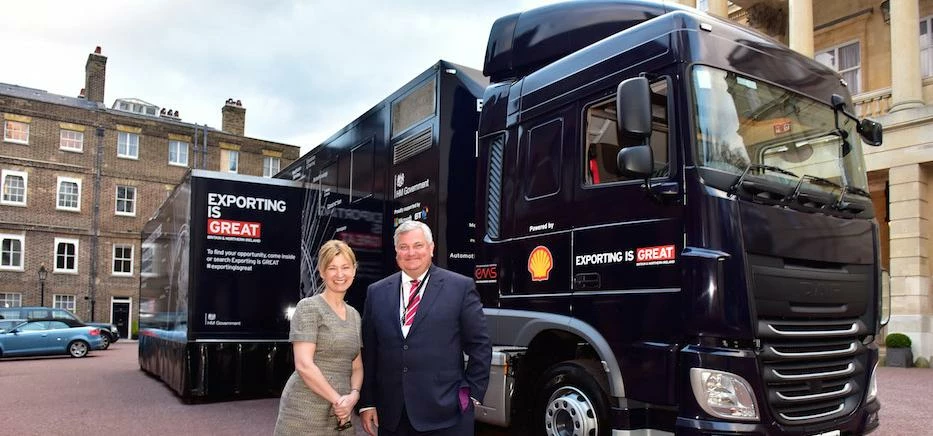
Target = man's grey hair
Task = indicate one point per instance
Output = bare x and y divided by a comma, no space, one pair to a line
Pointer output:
410,226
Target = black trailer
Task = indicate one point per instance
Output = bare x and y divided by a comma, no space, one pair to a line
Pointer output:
219,279
403,159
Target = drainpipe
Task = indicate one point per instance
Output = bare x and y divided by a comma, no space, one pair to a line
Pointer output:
95,223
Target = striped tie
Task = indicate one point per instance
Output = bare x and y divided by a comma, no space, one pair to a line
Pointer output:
413,300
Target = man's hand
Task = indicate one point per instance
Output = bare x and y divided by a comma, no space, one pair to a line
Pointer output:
370,421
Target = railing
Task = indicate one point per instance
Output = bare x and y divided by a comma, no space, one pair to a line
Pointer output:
872,104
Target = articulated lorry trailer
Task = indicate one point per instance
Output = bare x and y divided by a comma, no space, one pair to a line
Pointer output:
220,264
666,216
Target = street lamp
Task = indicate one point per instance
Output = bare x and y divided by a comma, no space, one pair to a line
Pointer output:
43,273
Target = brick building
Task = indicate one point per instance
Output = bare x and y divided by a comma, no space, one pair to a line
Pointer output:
78,180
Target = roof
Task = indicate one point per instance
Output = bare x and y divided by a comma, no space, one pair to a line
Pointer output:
47,97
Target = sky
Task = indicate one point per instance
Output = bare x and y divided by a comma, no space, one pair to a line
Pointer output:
303,69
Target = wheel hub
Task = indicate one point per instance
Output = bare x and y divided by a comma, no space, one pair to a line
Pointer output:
570,413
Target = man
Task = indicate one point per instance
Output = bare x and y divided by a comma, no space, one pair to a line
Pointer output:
417,326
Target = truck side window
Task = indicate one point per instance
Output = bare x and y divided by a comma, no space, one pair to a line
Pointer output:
602,144
542,159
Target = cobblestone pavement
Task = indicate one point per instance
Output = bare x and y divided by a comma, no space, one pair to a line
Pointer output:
107,394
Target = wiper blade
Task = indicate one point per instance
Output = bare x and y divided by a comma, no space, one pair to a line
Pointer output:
738,182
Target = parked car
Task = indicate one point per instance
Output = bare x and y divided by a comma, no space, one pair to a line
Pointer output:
49,337
109,331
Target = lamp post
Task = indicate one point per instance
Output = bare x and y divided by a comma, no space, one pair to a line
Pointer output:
43,273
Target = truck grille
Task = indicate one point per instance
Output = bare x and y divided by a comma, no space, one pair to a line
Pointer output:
813,370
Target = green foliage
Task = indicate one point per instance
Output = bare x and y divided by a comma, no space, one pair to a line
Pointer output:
922,362
897,340
134,330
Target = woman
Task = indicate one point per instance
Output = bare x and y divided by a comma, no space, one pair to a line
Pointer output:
325,335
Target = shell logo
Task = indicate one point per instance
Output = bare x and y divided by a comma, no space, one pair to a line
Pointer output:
540,263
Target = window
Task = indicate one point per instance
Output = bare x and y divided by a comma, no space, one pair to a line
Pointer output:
602,145
11,300
926,46
229,161
11,252
270,166
846,59
69,194
127,145
66,255
126,200
14,187
542,159
178,153
71,140
15,131
122,260
66,302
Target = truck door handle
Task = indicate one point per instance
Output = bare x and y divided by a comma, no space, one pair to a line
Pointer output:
586,281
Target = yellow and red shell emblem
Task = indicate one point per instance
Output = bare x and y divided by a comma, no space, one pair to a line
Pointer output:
540,263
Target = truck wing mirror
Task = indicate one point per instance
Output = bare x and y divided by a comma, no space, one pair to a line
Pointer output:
635,161
633,111
871,131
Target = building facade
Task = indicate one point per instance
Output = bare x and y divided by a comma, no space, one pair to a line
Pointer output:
884,51
78,181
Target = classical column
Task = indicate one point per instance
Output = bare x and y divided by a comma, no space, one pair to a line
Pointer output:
906,86
800,26
910,271
718,7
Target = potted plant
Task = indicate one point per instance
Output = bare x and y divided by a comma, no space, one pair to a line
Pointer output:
898,351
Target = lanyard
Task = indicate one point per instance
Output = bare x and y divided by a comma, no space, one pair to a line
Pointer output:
417,292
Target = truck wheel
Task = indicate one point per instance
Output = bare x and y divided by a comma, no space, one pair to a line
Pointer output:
78,348
571,402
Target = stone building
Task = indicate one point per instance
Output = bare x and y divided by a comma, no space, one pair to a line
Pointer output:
78,180
884,51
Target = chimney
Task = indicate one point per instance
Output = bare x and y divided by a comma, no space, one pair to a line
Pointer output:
234,117
95,72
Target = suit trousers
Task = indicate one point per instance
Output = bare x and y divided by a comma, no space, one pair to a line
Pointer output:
464,427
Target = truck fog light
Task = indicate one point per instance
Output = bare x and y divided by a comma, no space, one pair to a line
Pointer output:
872,385
723,394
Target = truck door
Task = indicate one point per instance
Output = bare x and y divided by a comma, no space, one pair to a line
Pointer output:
626,241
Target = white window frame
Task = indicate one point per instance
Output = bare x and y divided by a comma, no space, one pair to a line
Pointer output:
56,254
926,44
57,298
267,166
22,252
58,194
7,131
117,199
113,260
25,176
11,299
125,138
225,161
79,139
854,88
178,144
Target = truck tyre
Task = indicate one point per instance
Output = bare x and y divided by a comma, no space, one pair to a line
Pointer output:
571,402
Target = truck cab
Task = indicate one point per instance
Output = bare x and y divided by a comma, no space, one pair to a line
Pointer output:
674,232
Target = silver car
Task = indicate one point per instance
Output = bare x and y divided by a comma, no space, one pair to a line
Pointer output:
49,337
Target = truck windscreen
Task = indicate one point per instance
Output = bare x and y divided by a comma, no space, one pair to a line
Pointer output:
751,130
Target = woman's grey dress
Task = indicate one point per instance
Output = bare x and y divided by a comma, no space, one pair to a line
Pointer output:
301,411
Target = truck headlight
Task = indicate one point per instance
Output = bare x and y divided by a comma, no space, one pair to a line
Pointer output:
723,394
872,385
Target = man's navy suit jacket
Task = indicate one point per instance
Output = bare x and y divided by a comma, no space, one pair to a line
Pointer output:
425,370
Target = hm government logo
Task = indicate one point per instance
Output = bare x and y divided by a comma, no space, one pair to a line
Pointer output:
399,180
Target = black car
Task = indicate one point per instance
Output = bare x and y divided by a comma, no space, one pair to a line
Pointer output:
109,332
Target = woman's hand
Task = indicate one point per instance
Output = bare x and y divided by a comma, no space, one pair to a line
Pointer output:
344,405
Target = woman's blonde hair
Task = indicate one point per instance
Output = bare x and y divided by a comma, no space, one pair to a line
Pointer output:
332,249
